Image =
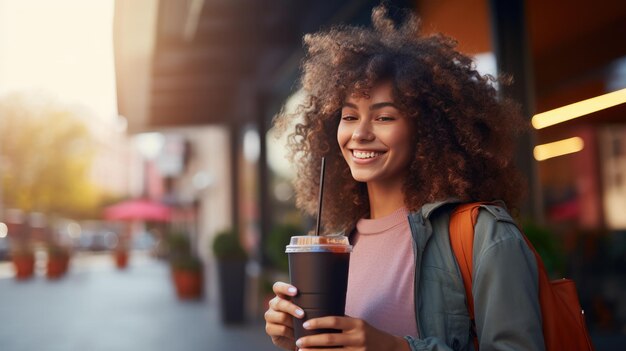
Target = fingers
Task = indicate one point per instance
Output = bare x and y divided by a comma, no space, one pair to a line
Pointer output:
279,330
278,325
282,305
333,322
327,340
284,289
276,317
353,332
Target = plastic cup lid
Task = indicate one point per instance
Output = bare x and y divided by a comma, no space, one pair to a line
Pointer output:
322,243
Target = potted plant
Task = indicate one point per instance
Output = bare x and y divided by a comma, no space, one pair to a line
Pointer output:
23,257
58,261
187,269
120,254
187,276
231,265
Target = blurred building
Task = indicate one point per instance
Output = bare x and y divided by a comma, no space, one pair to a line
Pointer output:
60,80
221,69
113,168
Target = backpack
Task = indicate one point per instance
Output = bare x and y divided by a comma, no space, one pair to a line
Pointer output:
562,317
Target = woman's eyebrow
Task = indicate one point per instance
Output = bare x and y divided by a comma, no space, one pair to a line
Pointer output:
380,105
372,107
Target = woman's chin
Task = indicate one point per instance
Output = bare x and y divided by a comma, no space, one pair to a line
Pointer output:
363,177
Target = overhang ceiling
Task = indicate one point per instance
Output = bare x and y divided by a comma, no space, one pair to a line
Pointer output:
209,60
192,62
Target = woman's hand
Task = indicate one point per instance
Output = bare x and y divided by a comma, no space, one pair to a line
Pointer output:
278,318
356,335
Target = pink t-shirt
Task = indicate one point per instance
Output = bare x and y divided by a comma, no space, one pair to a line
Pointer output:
382,274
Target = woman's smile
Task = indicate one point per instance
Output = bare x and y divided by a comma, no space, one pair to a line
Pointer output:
366,156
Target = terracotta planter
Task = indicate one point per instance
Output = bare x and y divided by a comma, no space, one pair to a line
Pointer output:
56,266
189,284
24,266
121,259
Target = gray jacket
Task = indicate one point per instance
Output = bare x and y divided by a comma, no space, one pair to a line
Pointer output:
505,284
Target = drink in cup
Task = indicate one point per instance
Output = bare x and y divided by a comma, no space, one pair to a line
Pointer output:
318,267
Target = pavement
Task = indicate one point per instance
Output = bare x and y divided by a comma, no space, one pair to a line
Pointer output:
97,307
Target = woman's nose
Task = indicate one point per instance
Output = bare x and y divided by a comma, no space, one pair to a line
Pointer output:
363,132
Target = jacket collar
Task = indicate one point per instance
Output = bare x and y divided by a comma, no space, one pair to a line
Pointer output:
429,208
419,222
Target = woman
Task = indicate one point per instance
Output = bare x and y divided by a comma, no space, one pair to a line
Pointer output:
410,130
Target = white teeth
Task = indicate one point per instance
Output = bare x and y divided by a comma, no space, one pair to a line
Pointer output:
363,154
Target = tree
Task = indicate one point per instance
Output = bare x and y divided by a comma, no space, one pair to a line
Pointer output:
46,152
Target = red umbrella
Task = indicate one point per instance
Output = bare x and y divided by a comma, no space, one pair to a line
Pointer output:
138,209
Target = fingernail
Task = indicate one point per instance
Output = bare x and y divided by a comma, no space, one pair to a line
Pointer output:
305,325
300,312
292,290
299,343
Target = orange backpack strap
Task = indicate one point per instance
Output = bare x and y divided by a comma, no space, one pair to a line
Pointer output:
462,222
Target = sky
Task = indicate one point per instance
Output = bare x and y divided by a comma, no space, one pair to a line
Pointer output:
62,48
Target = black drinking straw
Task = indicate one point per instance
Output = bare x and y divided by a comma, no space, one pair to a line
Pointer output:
319,206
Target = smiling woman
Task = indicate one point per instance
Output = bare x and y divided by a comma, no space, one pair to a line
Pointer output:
409,130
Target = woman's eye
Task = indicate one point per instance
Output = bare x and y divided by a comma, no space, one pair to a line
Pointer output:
348,118
385,118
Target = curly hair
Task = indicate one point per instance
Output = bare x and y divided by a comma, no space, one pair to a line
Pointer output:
464,135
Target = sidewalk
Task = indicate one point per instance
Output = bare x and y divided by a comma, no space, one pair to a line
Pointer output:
96,307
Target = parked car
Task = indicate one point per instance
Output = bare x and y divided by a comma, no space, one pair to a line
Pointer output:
99,240
143,241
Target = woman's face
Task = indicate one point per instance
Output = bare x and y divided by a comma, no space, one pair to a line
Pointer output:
375,137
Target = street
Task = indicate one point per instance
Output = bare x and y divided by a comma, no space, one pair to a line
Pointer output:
97,307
